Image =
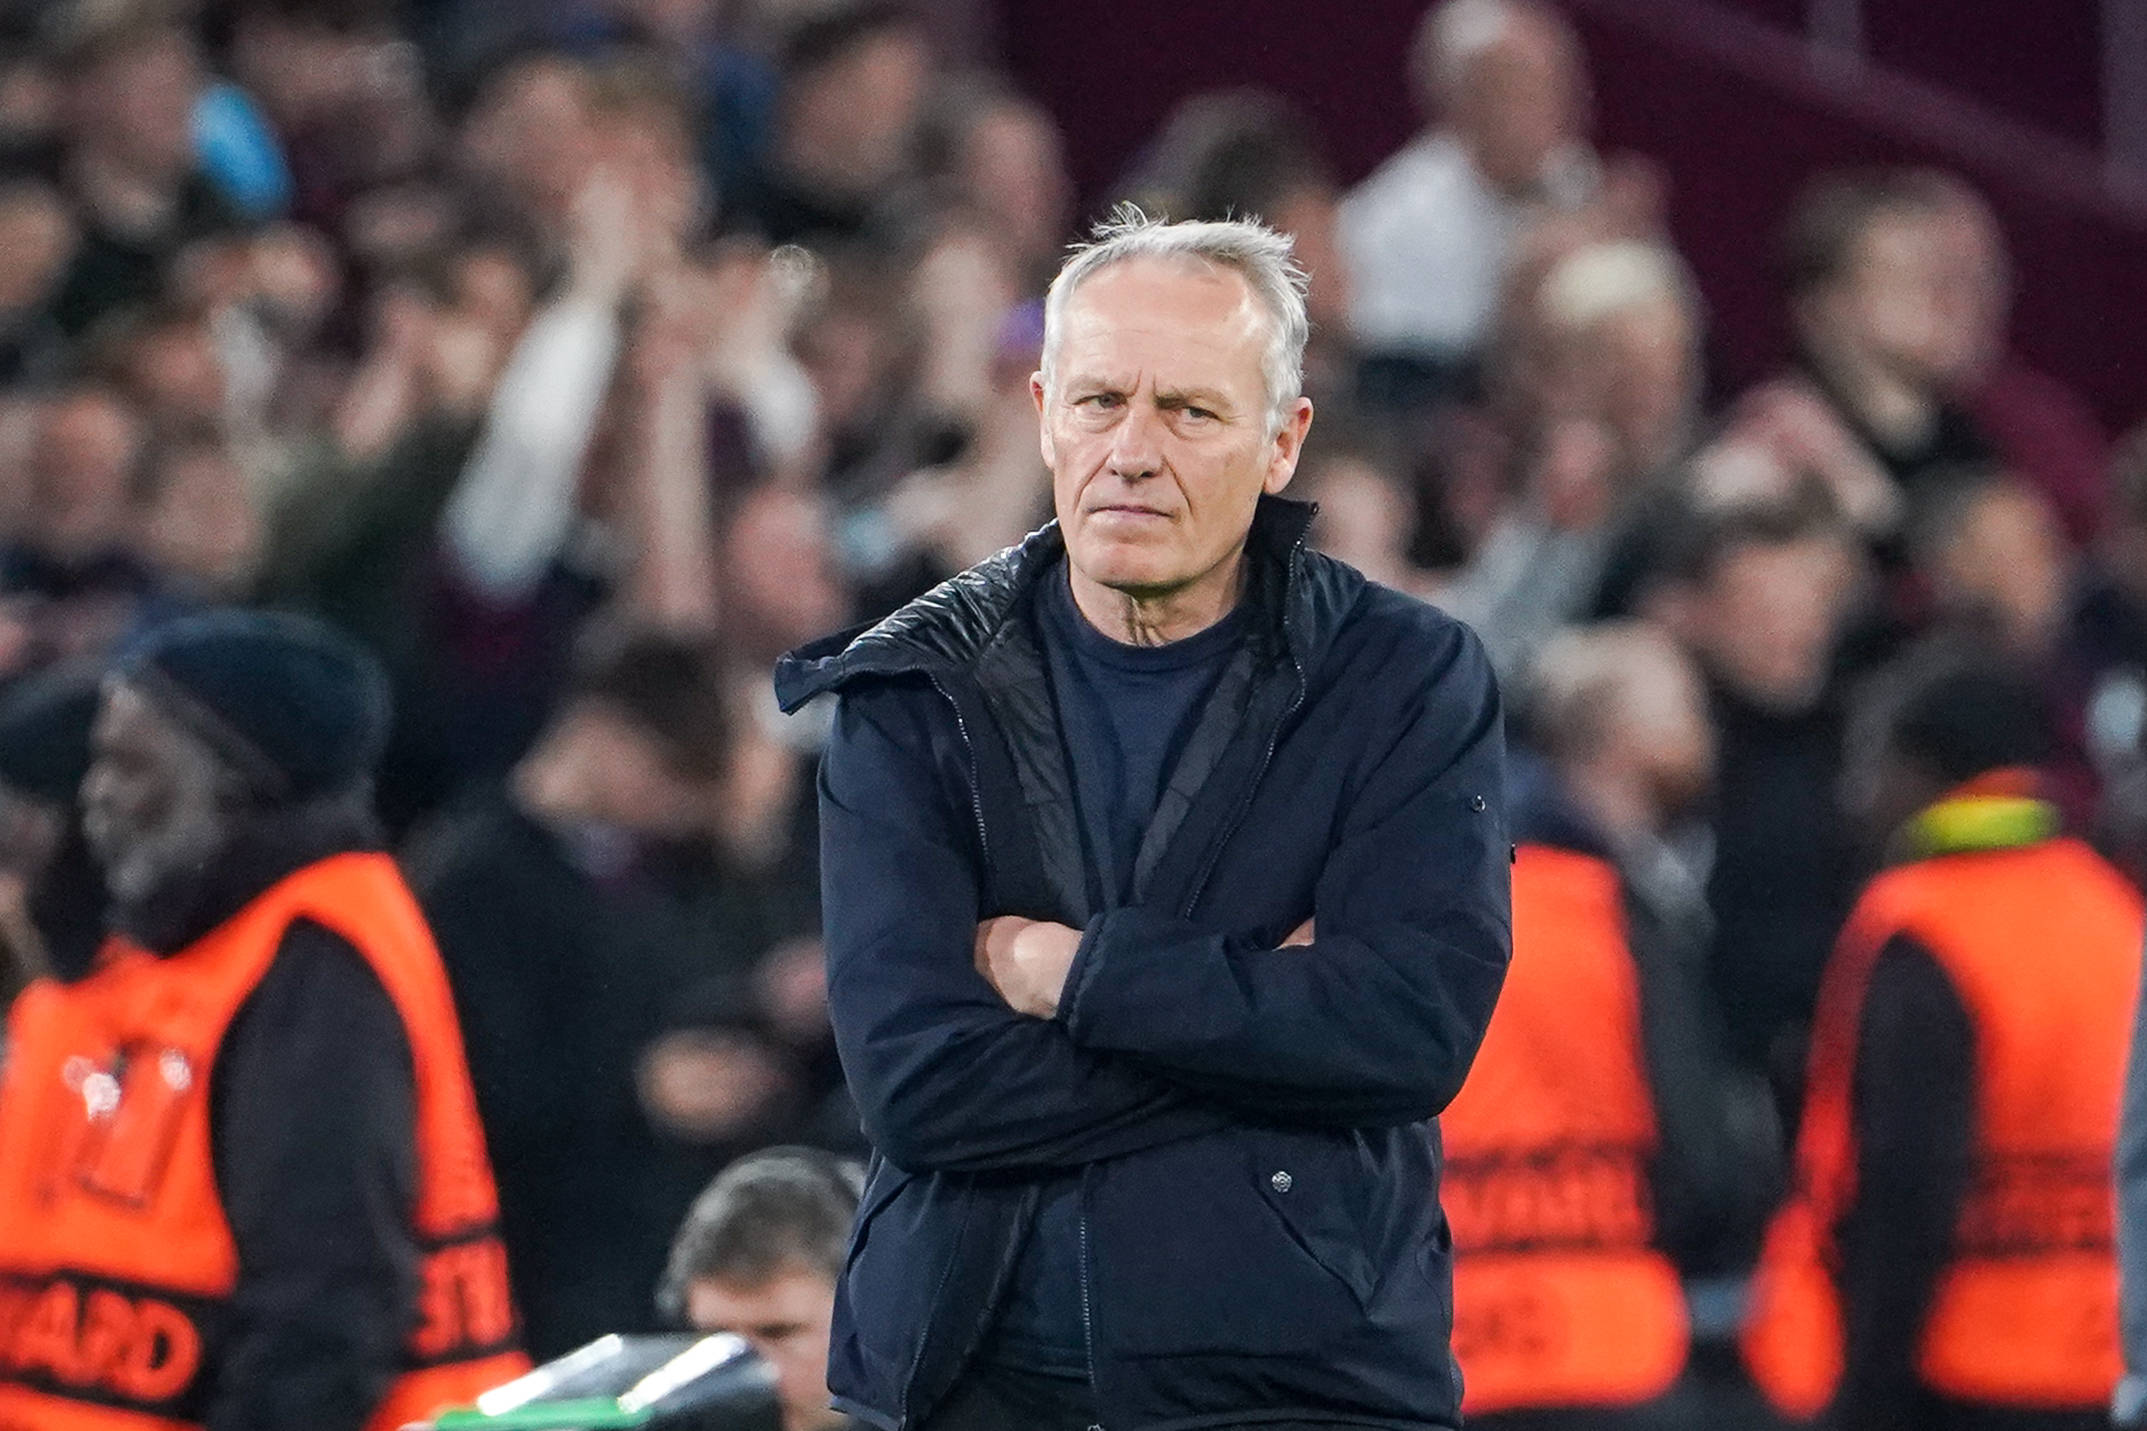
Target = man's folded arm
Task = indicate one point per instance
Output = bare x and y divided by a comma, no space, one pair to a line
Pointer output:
1379,1018
946,1076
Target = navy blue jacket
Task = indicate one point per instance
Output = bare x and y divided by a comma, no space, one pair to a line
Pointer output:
1261,1235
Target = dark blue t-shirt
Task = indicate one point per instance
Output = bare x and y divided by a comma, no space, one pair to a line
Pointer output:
1125,712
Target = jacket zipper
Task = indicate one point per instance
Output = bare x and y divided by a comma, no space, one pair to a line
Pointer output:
1088,1325
1274,738
969,746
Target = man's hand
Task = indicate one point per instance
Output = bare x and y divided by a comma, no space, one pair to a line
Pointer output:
1027,961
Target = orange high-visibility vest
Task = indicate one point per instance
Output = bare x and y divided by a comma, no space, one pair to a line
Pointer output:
1560,1297
2042,943
116,1262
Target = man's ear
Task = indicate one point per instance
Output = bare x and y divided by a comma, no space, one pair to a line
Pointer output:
1043,420
1289,445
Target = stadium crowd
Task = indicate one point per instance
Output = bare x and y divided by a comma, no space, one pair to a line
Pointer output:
579,366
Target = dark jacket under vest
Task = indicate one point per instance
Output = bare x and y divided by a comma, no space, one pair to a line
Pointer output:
1259,1223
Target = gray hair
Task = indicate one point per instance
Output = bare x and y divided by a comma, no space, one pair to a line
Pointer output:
1261,255
777,1210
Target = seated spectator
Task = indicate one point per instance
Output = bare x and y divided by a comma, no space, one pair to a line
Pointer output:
758,1257
347,103
1427,236
132,80
166,360
732,86
1366,517
2040,428
1946,1260
1583,1172
70,574
2002,582
1871,403
1599,392
999,155
524,149
604,941
198,528
854,84
37,233
1250,153
1759,591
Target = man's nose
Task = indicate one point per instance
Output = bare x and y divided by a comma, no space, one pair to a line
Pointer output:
1137,443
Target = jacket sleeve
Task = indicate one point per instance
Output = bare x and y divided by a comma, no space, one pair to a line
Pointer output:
1378,1020
946,1076
313,1108
1913,1106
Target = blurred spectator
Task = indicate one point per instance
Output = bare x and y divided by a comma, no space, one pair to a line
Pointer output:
1598,397
779,575
2002,582
2040,428
456,557
1947,1259
1582,1173
1759,590
198,528
51,892
603,918
1251,154
38,234
70,580
758,1257
343,92
526,146
999,156
1366,516
854,85
732,88
1427,236
129,163
1887,331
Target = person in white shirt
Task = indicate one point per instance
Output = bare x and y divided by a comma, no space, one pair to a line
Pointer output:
1426,237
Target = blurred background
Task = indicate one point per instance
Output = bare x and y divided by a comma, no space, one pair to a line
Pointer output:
581,356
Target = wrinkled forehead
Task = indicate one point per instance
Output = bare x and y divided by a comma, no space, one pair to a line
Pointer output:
1179,312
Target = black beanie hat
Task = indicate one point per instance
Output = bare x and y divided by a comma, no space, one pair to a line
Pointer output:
44,732
296,708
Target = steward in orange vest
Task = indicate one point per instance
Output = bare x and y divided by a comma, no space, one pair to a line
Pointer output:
1600,1128
1946,1258
242,1183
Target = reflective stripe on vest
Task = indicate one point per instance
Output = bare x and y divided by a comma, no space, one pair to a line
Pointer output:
116,1261
1560,1298
2042,944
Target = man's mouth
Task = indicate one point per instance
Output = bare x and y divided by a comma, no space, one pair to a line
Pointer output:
1128,509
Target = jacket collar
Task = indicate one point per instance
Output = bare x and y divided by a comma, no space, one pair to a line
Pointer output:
1301,595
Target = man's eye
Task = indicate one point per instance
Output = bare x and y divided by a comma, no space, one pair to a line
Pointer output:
1200,414
1099,400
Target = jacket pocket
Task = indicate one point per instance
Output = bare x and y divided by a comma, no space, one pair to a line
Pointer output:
1243,1243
